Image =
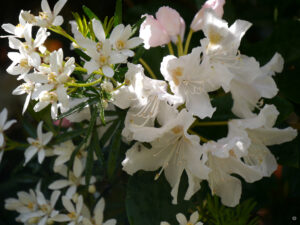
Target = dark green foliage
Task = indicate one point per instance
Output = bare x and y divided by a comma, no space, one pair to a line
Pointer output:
217,214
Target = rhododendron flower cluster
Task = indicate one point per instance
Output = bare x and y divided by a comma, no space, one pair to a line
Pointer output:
158,116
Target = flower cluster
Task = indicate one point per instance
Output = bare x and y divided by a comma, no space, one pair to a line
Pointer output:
159,115
216,64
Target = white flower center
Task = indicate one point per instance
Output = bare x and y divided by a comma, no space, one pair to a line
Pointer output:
120,44
176,73
48,97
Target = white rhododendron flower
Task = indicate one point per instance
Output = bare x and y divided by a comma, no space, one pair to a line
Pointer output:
47,17
145,97
183,221
216,5
261,133
38,146
188,80
97,219
239,74
173,151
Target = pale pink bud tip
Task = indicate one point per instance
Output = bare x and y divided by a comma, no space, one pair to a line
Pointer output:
216,5
170,19
153,33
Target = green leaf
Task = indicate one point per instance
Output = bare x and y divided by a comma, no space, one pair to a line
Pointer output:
90,156
78,21
67,135
114,152
149,202
138,54
78,107
91,15
82,54
118,13
96,145
100,107
109,132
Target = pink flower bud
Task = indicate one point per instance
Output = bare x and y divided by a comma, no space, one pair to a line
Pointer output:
170,19
153,33
181,33
216,5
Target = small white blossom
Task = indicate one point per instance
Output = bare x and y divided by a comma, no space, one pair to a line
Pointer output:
25,88
183,221
38,146
30,46
72,181
47,17
98,216
120,39
74,215
4,125
16,31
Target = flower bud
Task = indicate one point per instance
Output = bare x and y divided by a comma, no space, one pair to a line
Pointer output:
170,19
216,5
153,33
92,189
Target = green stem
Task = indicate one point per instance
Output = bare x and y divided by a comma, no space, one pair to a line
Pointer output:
170,48
203,139
61,31
84,84
147,67
188,40
179,46
116,88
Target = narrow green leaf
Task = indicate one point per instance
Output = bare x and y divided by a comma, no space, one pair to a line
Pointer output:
96,145
100,107
109,26
89,164
78,107
114,153
90,157
138,54
109,132
91,15
118,13
82,54
69,135
78,21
